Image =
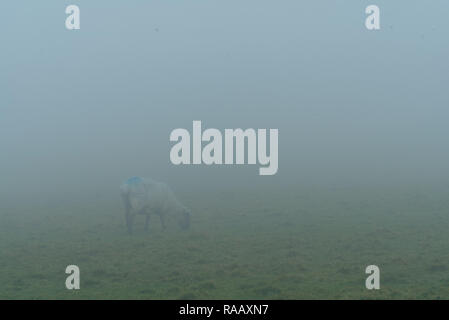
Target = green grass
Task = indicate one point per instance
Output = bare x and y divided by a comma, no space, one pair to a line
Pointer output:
300,243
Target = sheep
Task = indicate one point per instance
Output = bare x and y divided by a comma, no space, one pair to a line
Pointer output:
147,197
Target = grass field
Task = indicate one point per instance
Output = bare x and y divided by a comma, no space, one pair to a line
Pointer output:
299,243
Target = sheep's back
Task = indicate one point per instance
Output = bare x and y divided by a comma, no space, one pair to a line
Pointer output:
149,195
160,197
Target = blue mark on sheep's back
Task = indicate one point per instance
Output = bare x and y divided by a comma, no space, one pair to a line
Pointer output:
134,180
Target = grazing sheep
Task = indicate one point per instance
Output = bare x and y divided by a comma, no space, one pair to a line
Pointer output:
147,197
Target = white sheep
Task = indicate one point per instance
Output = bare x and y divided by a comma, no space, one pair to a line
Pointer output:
148,197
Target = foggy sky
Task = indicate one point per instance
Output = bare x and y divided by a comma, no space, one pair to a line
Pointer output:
81,111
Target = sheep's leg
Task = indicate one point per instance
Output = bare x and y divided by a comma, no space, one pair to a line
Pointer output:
129,222
128,217
147,222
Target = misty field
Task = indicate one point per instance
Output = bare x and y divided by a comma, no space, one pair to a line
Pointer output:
297,243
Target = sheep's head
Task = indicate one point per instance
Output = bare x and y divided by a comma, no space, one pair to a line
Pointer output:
184,222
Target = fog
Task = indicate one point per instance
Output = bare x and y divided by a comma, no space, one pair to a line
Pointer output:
363,158
83,110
